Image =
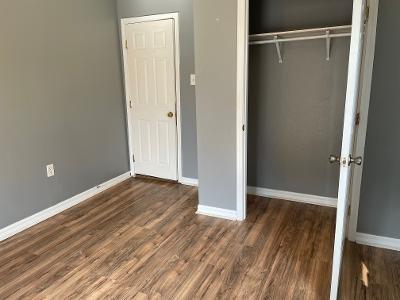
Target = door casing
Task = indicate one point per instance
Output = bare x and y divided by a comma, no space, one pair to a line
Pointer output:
150,18
242,88
363,109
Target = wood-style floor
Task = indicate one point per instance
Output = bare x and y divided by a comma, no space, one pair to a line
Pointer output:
370,273
142,240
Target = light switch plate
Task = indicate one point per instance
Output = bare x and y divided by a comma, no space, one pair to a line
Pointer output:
192,79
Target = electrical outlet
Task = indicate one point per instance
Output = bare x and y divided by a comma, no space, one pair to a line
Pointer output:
192,79
50,170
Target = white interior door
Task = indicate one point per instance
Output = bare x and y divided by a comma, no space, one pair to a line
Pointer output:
353,83
152,94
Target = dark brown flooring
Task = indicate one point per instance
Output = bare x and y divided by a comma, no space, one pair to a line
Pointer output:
142,240
370,273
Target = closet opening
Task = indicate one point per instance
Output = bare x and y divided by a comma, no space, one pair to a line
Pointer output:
299,73
297,79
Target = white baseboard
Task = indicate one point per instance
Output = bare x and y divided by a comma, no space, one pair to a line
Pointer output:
283,195
217,212
290,196
56,209
189,181
378,241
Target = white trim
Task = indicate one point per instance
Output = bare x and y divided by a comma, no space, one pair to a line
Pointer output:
315,31
377,241
241,107
290,196
58,208
189,181
366,81
124,22
350,111
217,212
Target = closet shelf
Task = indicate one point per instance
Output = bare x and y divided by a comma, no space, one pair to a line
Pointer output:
277,38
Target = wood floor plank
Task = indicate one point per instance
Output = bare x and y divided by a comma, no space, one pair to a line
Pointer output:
370,273
143,240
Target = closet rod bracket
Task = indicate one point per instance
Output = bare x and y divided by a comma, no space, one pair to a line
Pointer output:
328,45
278,49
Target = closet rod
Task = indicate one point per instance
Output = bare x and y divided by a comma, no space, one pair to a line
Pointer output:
326,33
304,38
341,28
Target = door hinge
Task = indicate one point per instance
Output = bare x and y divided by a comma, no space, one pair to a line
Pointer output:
358,119
244,127
366,15
126,44
130,104
133,158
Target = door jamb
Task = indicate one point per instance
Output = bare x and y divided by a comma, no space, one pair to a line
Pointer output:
365,80
242,88
241,107
364,101
158,17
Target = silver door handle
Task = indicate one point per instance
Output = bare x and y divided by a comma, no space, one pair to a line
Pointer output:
333,159
355,160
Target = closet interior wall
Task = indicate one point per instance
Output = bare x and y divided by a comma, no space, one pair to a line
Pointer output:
379,210
296,107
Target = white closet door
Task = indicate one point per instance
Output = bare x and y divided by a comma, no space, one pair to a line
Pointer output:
353,82
151,69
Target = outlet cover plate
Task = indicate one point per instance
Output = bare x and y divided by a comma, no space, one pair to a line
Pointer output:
50,170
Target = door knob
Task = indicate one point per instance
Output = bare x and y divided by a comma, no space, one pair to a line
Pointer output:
333,159
355,160
170,114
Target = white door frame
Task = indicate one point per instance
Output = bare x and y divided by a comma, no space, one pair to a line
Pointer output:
242,87
354,82
365,95
124,23
241,107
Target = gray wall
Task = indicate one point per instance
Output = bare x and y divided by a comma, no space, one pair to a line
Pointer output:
137,8
296,108
61,101
296,116
281,15
379,212
215,48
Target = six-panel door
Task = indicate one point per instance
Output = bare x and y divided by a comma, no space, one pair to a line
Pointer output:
151,90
